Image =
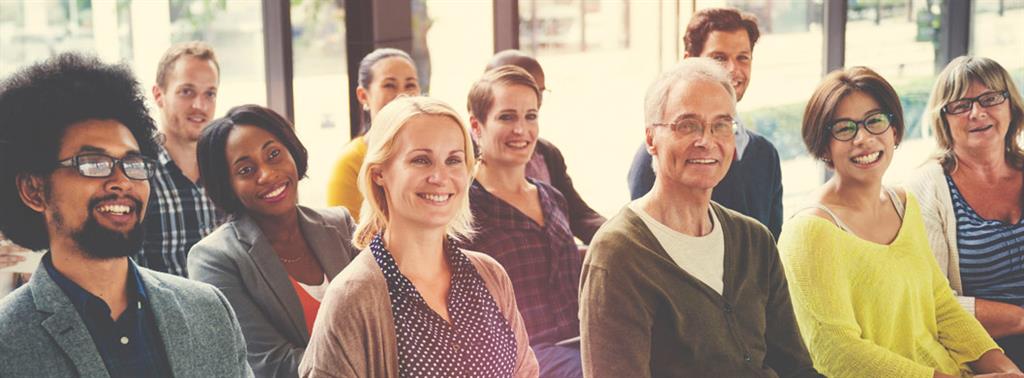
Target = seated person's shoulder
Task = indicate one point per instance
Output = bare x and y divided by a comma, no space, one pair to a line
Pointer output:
188,291
16,311
901,192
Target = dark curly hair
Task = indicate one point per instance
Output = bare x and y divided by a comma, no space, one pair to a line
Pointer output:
37,105
213,165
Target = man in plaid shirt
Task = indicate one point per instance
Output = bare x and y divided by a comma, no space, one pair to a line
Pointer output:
179,213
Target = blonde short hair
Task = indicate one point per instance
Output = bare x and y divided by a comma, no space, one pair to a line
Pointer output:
381,149
952,84
481,95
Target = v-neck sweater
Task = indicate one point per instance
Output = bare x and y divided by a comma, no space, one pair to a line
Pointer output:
875,310
643,315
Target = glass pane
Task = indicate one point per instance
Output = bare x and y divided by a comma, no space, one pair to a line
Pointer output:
459,41
594,111
786,69
899,40
320,89
139,32
998,33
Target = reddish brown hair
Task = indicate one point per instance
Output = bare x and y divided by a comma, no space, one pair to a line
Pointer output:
708,20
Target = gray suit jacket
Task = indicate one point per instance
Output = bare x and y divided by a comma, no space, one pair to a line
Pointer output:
41,334
239,260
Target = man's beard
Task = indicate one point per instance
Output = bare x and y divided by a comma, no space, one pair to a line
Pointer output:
100,242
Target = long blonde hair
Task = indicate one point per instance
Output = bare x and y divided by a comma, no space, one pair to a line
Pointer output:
381,149
952,84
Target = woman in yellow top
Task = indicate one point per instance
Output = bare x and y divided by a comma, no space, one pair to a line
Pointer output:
384,74
867,293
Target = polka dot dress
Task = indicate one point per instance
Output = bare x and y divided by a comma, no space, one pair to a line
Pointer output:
477,343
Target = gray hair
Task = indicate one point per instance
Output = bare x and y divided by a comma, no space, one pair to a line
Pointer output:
688,71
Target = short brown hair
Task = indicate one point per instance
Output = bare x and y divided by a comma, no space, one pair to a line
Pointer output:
481,95
196,49
708,20
820,111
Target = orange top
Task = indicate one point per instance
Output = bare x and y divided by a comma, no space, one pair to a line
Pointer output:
309,304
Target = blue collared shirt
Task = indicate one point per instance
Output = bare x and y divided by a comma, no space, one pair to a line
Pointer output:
129,346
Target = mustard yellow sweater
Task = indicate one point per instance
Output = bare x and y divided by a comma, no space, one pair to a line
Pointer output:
342,189
872,310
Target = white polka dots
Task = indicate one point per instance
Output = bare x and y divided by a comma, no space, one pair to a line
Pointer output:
479,341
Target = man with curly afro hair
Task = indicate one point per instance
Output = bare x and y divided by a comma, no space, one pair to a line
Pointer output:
76,150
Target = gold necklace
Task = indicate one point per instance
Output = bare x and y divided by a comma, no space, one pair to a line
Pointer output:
292,260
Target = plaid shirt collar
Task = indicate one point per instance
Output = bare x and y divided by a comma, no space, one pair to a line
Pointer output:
501,215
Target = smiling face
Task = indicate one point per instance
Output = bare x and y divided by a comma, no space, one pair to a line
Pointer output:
733,50
189,101
865,157
263,173
391,77
101,216
425,182
509,134
693,161
979,129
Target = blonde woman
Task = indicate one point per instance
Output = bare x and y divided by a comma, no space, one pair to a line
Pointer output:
870,300
413,303
972,194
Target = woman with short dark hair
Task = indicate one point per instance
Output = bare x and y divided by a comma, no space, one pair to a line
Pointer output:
867,293
273,259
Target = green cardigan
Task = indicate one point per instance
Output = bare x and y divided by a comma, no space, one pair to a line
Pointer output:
643,315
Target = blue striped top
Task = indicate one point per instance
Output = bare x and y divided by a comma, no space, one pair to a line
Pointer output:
991,253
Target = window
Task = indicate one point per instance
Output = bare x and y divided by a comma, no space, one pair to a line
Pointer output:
900,41
320,83
459,41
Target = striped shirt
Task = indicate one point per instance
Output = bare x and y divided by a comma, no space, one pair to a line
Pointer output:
178,216
991,253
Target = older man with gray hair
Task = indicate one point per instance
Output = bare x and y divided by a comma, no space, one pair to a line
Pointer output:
675,284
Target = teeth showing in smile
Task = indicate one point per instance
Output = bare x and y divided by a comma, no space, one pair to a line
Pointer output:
437,198
521,144
276,192
702,161
867,159
197,119
115,209
980,129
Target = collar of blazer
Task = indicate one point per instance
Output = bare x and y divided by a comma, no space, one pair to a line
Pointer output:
70,334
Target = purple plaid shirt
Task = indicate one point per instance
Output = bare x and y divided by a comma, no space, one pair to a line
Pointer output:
542,261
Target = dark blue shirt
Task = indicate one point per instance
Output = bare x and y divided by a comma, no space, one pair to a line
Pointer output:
129,346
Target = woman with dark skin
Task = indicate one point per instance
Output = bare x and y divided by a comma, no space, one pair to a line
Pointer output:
274,258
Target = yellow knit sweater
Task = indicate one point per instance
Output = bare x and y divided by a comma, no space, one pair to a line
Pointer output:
342,189
872,310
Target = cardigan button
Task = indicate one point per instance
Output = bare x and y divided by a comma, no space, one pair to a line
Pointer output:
746,357
728,309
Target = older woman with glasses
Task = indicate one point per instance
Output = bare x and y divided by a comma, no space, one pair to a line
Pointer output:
414,303
868,295
274,258
972,194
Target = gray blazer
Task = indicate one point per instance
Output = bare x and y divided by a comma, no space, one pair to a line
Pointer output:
41,334
238,259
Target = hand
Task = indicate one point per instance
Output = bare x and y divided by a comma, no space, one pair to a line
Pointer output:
7,256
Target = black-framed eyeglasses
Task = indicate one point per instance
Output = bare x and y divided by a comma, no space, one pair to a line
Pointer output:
846,129
99,165
987,99
720,128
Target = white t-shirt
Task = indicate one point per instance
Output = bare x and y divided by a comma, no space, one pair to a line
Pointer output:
316,291
701,256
